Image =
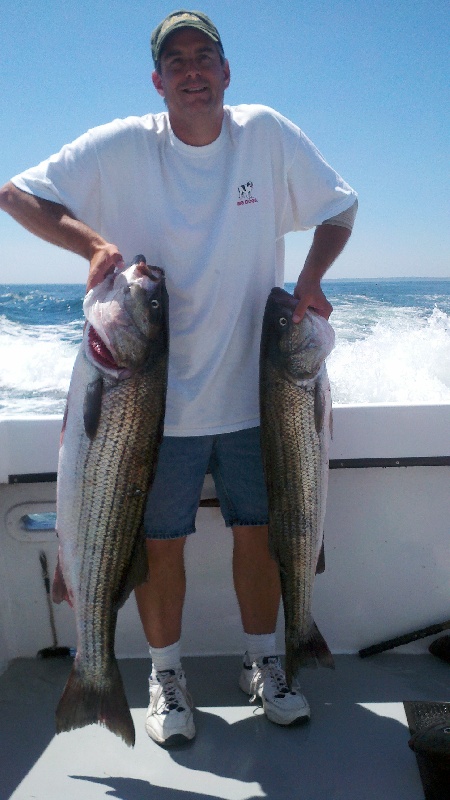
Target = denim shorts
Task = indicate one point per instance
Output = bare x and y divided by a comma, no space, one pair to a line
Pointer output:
234,460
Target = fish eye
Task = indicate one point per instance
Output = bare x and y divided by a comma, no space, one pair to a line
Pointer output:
283,321
154,303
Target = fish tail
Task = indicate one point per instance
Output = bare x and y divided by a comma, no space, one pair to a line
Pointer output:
308,652
83,704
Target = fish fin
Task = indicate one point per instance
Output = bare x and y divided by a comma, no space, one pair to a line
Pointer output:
309,652
92,407
64,423
82,704
320,567
319,407
137,571
60,591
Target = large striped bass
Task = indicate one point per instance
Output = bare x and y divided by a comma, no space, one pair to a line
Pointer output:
295,404
111,434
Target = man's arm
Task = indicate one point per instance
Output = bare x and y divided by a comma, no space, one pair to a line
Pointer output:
329,241
56,224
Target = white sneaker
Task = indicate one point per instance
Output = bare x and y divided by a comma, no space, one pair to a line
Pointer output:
265,679
170,713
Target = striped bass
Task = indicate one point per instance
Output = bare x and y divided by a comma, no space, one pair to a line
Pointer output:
111,434
295,402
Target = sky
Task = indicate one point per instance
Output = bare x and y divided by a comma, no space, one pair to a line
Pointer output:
367,82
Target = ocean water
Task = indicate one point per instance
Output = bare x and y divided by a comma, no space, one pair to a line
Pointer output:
392,343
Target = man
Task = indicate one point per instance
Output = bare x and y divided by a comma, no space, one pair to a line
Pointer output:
207,192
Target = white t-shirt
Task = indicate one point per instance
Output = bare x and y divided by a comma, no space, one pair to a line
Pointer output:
214,218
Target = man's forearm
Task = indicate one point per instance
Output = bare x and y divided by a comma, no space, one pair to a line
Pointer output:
50,221
328,243
56,224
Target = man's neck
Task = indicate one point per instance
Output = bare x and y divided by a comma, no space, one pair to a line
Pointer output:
198,131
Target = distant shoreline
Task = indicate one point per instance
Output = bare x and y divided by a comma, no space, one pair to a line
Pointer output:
384,280
324,280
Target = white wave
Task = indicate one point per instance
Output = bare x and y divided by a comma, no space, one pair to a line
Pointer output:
382,355
405,358
36,367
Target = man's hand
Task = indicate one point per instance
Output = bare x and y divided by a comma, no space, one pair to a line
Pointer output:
102,263
310,295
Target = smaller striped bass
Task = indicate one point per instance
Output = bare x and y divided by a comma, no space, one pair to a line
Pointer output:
295,402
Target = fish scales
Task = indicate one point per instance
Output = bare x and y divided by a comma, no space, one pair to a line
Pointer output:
295,507
295,405
107,463
102,503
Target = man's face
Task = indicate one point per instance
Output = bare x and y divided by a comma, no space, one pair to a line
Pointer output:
193,79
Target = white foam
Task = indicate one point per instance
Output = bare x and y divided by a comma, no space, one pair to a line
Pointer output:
382,355
404,358
36,367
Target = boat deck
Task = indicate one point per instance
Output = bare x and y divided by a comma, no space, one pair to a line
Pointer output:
355,747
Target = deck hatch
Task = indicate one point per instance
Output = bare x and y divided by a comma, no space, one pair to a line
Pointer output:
32,521
39,522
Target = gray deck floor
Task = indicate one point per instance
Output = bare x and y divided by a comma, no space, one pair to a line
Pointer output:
355,747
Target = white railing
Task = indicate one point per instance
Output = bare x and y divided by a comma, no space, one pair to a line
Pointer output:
386,539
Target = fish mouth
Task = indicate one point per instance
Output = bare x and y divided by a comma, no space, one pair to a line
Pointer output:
146,274
99,351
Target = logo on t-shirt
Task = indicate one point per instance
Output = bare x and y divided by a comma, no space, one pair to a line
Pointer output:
245,194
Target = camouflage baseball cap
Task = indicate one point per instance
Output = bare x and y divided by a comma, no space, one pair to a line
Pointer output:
183,19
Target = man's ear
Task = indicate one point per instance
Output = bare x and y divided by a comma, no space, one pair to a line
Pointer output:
226,72
157,82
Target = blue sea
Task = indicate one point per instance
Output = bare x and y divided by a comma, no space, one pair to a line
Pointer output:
392,343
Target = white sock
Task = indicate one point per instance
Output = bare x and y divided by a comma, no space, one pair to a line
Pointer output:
165,657
260,645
